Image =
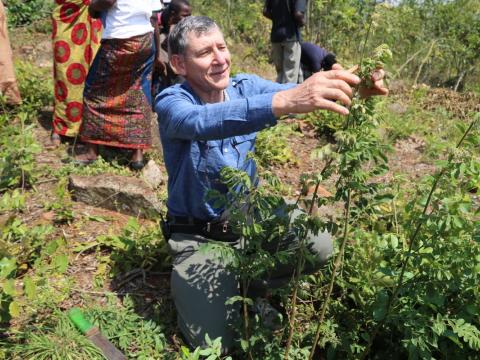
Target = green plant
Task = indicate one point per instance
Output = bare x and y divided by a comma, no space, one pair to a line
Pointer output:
62,206
36,87
213,351
12,201
25,12
100,166
17,151
139,338
272,146
57,339
137,247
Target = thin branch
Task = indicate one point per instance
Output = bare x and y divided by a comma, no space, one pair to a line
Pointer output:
336,265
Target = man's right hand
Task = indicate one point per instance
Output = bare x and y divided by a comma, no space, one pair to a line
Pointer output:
325,90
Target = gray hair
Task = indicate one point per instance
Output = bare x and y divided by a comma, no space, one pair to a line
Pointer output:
177,39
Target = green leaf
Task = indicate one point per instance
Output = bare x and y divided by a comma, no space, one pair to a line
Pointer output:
9,287
7,267
30,287
14,309
61,262
380,306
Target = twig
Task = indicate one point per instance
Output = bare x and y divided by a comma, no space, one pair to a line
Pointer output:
425,59
336,265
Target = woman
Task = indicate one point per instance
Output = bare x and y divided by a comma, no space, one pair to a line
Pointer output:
117,96
76,38
8,84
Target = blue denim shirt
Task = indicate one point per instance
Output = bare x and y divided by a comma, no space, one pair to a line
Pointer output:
200,139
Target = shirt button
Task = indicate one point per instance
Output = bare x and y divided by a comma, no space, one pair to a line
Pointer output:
225,150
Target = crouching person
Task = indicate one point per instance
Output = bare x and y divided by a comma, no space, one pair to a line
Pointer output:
206,124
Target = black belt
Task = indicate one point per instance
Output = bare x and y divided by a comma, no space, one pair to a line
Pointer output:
216,229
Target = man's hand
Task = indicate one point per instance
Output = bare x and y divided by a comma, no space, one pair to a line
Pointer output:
377,87
325,90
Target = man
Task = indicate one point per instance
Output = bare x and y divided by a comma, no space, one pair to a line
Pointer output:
209,122
287,16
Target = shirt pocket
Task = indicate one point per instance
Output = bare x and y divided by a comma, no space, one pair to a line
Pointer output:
211,161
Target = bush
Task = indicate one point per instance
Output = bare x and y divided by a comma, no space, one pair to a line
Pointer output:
24,12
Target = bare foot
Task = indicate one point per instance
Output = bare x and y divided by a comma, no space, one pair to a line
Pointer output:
55,139
88,157
136,163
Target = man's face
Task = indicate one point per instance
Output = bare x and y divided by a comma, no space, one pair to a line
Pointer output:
206,63
185,11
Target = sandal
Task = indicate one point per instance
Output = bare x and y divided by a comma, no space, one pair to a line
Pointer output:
137,165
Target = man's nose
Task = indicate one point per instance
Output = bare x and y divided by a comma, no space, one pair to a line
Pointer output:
219,56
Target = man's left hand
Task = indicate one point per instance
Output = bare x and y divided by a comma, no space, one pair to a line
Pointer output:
377,77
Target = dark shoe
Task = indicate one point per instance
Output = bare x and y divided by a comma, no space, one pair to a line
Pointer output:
137,165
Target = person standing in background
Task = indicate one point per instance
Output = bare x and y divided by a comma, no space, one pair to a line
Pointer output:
287,16
8,83
163,75
76,38
118,90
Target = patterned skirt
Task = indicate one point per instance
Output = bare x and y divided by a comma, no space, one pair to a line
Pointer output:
76,38
117,98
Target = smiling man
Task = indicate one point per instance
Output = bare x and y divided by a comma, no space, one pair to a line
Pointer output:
210,122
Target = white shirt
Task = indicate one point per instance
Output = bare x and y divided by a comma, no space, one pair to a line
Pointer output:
128,18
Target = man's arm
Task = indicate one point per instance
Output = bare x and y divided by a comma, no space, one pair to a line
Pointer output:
325,90
299,12
97,6
182,119
267,9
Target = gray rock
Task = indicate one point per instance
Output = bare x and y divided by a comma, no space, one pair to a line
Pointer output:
127,195
398,108
152,174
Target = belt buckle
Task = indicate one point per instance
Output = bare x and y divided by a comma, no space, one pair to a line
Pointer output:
225,226
208,226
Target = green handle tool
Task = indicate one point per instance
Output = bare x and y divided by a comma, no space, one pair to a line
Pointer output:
93,333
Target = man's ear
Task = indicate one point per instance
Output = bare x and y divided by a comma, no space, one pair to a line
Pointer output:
178,64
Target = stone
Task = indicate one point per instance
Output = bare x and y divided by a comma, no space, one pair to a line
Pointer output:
398,108
152,174
127,195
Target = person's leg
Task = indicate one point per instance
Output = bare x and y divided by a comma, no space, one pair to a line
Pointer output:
277,58
319,247
291,62
201,284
